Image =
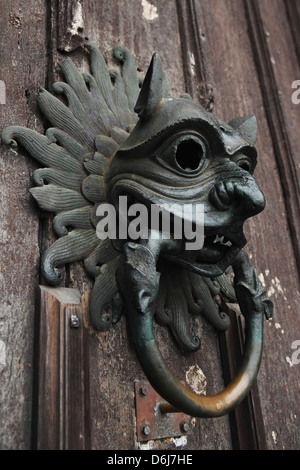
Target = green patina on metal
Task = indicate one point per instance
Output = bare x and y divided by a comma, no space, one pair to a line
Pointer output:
121,134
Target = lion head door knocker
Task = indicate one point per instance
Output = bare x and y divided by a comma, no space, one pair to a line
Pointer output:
120,138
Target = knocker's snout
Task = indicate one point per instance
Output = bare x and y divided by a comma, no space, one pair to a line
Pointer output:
240,194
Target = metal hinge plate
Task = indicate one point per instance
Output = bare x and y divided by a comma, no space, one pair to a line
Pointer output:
151,422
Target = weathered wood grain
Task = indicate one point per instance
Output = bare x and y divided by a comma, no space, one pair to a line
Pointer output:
277,66
231,68
61,406
246,420
23,63
193,54
293,15
236,57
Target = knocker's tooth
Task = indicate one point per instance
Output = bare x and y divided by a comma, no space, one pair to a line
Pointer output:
218,239
221,241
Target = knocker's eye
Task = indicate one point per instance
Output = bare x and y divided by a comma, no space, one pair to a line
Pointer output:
188,154
244,162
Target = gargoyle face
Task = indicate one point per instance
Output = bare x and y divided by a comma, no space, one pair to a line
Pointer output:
180,154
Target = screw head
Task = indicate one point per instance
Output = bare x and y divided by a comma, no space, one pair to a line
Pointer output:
74,321
146,430
144,390
184,427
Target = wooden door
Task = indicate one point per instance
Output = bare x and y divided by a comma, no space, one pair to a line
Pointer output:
235,57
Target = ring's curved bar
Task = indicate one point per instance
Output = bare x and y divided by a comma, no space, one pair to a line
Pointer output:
139,273
174,392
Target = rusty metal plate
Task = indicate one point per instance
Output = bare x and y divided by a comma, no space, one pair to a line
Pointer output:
150,421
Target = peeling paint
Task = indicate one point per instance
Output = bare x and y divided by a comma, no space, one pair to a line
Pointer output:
148,446
270,291
151,444
278,327
296,354
196,380
77,23
193,422
149,11
274,437
179,441
275,288
289,361
2,92
2,353
262,279
277,284
192,63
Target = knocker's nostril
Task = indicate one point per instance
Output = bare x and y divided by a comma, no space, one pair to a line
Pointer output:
221,197
241,193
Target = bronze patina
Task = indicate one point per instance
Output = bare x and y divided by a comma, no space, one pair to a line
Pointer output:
120,134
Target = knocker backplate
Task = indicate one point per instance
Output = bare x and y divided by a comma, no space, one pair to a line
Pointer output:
151,423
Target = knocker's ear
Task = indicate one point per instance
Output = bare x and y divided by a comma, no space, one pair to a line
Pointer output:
152,90
246,127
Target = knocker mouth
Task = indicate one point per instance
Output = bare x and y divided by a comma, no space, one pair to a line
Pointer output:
225,208
217,254
214,248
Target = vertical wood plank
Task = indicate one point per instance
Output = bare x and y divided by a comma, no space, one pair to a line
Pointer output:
247,430
23,63
232,69
76,416
62,416
280,113
275,55
246,420
193,53
293,14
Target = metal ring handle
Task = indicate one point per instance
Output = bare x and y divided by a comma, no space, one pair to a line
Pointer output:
253,304
180,397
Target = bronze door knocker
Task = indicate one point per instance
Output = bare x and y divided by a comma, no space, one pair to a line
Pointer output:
121,136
